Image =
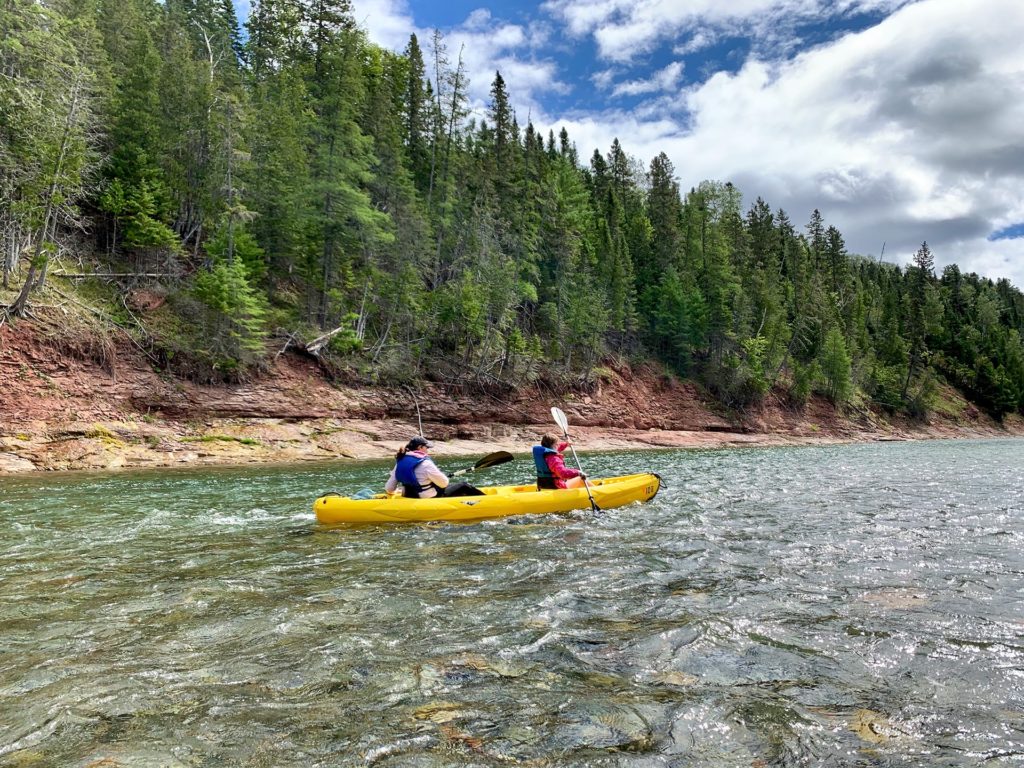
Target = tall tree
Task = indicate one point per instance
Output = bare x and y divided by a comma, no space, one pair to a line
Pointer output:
416,115
921,274
49,140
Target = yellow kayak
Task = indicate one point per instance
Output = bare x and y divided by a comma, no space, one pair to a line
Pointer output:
497,501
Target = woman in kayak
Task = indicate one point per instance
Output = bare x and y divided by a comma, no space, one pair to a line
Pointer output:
551,470
418,475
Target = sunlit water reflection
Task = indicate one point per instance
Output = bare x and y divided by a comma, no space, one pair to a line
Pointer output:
836,606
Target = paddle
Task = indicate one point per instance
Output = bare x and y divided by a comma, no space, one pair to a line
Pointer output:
563,422
490,460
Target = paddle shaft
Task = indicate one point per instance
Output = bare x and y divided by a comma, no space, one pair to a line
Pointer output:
586,483
490,460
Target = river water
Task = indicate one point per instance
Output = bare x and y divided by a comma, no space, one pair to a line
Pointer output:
819,606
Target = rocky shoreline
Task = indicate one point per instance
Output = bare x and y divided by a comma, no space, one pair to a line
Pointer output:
108,445
61,412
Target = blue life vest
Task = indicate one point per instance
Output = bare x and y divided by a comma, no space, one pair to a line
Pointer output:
540,454
405,473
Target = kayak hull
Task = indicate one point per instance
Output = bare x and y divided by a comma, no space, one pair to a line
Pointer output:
497,501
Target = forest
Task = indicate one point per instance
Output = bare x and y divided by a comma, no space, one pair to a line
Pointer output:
289,184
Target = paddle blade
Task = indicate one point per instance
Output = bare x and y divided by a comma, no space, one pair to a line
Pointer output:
490,460
560,419
494,459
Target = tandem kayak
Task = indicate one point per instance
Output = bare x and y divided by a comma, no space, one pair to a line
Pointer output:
496,501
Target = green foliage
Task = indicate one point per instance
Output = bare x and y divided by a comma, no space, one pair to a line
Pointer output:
306,178
137,210
921,401
51,75
804,377
755,358
346,342
835,368
230,318
885,386
232,240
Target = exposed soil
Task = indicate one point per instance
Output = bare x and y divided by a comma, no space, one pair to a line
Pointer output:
90,406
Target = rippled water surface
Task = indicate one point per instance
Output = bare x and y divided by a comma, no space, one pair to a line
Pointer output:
833,606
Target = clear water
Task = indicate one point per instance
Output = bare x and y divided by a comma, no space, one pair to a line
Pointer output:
832,606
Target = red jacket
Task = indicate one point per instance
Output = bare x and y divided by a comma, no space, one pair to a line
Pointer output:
556,463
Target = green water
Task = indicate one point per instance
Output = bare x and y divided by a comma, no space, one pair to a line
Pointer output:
833,606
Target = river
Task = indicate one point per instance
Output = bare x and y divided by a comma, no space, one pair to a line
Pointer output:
814,606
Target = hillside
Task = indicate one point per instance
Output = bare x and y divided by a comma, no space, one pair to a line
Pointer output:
219,195
75,400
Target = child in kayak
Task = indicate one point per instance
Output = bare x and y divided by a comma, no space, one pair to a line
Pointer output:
551,470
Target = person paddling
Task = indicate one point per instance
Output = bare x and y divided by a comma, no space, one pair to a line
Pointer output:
418,475
551,470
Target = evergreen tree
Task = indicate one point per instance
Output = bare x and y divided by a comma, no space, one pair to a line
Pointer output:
664,210
345,223
355,190
816,237
416,115
835,367
920,276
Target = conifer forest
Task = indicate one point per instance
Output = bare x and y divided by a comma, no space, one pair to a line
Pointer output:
288,184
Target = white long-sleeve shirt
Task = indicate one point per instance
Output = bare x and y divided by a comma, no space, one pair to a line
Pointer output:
426,472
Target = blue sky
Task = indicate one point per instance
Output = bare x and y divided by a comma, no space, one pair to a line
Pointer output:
902,121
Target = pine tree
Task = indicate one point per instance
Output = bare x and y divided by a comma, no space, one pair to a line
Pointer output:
664,210
344,220
416,115
919,276
835,367
816,237
134,193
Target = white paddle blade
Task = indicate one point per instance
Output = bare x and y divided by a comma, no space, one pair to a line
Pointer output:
560,419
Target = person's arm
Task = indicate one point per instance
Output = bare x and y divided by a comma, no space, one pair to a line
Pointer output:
433,474
392,484
557,466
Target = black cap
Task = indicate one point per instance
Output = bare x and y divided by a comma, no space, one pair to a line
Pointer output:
418,442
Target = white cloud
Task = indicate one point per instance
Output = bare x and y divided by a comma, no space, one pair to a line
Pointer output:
907,131
697,42
624,29
603,79
505,48
663,80
388,22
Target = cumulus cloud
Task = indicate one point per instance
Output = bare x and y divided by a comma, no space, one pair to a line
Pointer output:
698,41
625,29
905,132
666,79
388,22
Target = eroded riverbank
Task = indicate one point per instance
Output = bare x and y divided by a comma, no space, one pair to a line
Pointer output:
150,443
61,412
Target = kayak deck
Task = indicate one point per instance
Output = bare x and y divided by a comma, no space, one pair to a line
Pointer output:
496,501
